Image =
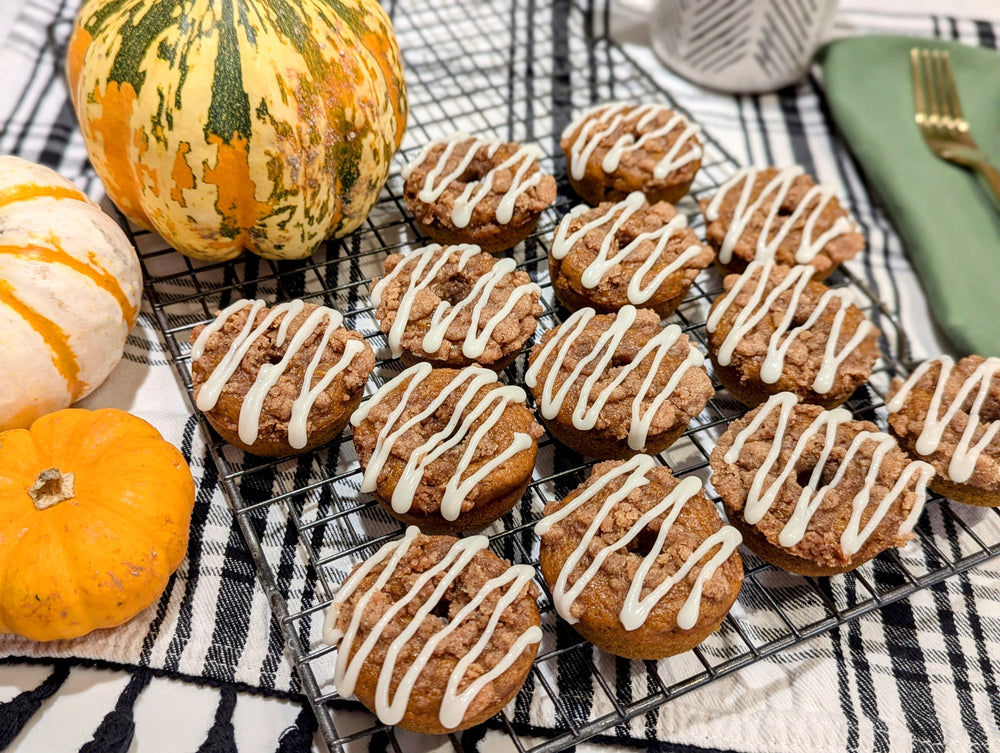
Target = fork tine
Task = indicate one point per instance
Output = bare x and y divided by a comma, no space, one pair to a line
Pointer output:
951,90
933,112
919,100
943,93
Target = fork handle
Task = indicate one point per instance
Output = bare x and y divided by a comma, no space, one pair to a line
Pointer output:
992,177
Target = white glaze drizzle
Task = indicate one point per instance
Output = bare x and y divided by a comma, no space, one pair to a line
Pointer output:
437,181
588,407
755,309
458,430
389,707
777,188
612,116
963,461
430,260
617,216
760,499
636,611
269,373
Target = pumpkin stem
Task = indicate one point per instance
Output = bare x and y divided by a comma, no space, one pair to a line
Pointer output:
50,488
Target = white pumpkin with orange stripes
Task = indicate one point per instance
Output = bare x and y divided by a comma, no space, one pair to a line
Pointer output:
70,287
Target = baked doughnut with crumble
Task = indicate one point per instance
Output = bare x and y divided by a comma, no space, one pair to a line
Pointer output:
781,215
447,450
455,306
280,380
616,148
470,189
434,634
639,562
613,385
775,329
948,414
625,253
813,491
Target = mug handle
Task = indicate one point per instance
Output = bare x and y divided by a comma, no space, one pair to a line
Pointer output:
642,7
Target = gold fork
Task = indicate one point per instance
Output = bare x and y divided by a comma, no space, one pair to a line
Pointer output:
939,115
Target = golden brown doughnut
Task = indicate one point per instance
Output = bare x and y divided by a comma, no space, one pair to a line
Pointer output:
783,215
421,606
613,385
625,253
447,450
813,491
949,415
469,189
776,330
455,306
670,569
614,149
274,387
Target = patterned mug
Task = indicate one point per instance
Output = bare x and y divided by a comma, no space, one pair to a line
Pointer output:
740,46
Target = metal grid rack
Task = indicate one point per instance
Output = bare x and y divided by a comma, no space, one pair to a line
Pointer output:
517,70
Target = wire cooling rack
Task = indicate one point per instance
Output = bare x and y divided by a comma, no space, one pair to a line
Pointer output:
517,70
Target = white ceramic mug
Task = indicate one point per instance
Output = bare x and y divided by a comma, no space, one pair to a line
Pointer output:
740,46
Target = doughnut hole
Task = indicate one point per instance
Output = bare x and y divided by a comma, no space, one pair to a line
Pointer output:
642,545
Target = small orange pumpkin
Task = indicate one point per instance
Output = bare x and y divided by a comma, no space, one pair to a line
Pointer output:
95,508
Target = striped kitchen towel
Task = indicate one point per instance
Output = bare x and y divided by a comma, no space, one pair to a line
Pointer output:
920,675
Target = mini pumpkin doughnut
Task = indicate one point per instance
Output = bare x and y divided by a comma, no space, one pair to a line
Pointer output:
776,330
614,149
455,306
638,562
281,380
629,252
447,450
469,189
613,385
434,634
780,215
949,415
815,492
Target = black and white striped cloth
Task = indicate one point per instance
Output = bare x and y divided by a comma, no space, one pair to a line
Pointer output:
205,668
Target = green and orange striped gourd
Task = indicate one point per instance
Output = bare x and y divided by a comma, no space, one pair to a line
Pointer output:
70,286
224,125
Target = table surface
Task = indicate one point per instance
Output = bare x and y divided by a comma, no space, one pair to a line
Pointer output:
68,719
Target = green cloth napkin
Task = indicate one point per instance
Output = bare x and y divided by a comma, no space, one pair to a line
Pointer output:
946,218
